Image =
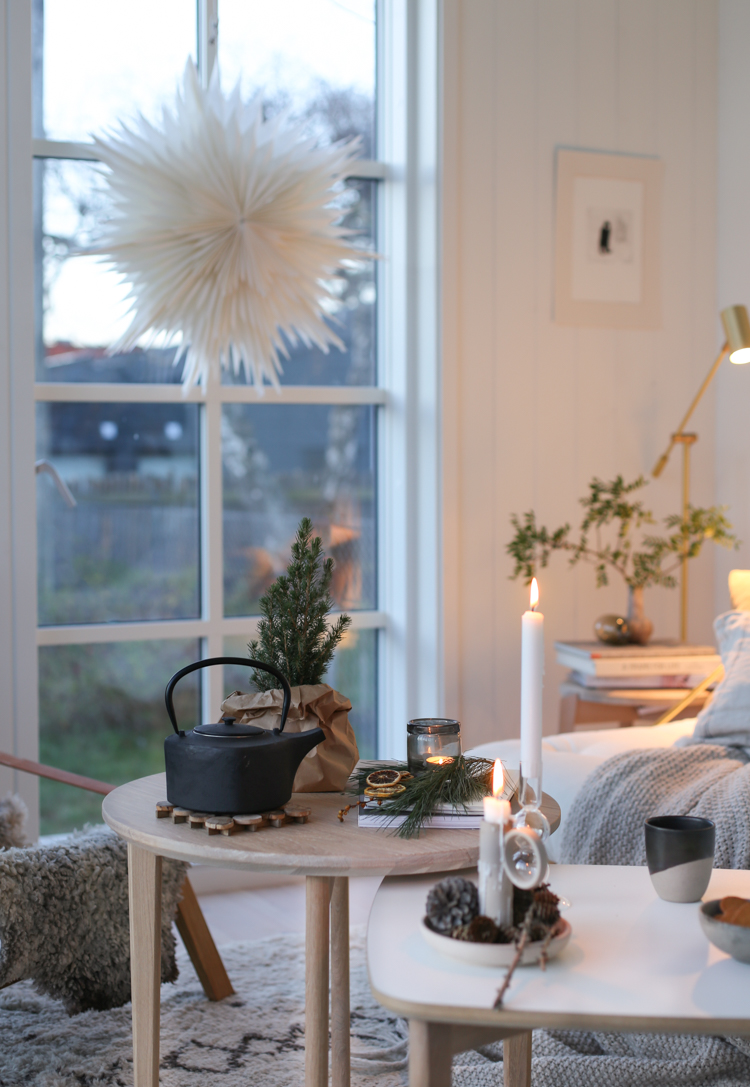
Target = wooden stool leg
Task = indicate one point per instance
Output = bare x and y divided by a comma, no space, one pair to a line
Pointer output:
192,927
317,921
430,1054
340,1025
517,1060
568,711
144,897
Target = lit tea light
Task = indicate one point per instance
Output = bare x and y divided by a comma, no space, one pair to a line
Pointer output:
496,810
438,760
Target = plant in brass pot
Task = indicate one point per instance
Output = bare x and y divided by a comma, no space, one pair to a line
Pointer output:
296,637
612,515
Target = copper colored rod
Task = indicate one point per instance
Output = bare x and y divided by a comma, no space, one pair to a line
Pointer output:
670,715
63,776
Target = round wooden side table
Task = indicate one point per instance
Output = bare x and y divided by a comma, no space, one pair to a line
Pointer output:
324,850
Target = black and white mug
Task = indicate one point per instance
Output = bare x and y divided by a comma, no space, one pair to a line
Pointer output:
680,855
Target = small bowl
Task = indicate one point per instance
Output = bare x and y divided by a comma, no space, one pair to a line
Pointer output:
733,939
495,954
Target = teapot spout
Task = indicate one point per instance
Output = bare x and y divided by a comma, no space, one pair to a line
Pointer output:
306,741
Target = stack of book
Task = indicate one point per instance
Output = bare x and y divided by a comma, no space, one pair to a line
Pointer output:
444,817
661,664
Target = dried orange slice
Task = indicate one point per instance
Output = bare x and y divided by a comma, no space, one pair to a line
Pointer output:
384,794
379,778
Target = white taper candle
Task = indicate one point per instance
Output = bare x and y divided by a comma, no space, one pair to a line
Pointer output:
532,673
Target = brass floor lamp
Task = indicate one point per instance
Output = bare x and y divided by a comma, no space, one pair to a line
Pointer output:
737,331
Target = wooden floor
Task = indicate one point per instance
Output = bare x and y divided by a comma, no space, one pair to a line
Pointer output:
270,910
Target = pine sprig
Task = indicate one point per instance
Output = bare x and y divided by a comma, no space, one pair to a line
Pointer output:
294,634
457,784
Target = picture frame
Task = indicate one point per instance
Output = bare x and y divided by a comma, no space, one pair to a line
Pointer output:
607,240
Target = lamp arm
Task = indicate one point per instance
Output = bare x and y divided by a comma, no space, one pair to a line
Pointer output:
662,461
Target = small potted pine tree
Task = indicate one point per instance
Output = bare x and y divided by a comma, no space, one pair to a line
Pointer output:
294,635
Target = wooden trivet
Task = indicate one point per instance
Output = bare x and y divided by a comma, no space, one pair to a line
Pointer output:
229,824
219,824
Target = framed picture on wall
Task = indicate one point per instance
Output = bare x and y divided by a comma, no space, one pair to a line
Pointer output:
607,251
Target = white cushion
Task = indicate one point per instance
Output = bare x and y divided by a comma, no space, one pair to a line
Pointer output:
569,758
726,719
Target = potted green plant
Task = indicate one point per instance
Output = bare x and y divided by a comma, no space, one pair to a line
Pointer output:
606,540
296,637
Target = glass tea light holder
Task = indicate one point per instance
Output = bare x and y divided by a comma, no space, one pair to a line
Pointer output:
431,742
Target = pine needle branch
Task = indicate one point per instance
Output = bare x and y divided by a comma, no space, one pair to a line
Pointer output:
458,784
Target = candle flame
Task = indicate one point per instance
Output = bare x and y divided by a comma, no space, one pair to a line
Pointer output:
534,594
498,778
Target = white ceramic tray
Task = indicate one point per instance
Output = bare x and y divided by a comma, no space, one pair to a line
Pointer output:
494,954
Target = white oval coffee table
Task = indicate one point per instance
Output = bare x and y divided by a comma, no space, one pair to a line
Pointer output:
324,850
634,963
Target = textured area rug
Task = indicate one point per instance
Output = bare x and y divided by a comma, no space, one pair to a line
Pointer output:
255,1037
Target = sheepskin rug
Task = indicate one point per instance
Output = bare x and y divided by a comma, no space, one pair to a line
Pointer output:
64,919
255,1037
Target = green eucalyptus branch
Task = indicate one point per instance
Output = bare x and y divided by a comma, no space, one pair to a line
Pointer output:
608,506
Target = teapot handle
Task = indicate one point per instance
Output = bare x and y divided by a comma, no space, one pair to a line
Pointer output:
245,661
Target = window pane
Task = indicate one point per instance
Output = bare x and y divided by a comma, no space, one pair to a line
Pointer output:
285,462
104,61
315,56
101,713
353,319
130,548
81,306
353,673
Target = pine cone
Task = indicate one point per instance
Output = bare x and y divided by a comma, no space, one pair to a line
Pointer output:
450,903
482,930
506,934
521,902
546,905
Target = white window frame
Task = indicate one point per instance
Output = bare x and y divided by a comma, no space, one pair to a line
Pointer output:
409,614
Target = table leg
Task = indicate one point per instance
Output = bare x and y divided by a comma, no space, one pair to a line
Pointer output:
568,707
517,1060
144,897
317,921
340,1022
430,1054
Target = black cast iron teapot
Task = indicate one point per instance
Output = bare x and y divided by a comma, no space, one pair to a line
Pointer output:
231,768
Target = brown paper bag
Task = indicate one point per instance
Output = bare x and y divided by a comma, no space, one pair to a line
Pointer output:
327,767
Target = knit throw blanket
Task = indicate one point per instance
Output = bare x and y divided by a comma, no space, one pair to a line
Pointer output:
605,822
605,826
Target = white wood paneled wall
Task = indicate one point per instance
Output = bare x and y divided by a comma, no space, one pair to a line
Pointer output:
532,410
733,382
